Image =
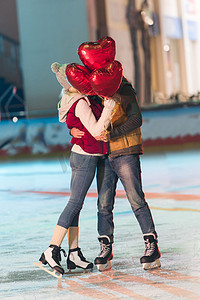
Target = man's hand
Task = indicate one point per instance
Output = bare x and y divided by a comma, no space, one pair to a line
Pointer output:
76,133
104,136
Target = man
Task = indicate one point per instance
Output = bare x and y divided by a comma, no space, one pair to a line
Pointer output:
125,147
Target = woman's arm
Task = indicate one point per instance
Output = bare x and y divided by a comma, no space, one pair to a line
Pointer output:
87,118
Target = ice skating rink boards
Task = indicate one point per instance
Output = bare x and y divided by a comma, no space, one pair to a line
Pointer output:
32,195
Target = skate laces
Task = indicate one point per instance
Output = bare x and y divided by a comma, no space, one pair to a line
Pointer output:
81,255
57,253
62,250
104,249
150,247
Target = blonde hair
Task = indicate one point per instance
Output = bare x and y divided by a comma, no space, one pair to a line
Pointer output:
71,89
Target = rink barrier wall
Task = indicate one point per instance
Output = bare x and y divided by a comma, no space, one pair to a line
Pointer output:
161,130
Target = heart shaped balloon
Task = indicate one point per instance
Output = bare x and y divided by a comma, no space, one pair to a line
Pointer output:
79,77
106,81
98,54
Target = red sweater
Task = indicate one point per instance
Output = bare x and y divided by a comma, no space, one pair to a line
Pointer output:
88,143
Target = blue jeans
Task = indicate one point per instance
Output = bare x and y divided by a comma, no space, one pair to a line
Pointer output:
83,172
127,169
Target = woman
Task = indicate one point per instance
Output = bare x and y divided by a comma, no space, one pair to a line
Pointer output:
87,115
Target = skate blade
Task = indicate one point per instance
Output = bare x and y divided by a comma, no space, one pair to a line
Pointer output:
78,272
53,273
153,265
105,267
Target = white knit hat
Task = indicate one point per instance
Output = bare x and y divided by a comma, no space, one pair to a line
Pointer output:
60,74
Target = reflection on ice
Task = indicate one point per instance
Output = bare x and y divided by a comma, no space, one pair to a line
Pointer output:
28,218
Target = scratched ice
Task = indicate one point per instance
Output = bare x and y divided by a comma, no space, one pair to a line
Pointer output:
31,200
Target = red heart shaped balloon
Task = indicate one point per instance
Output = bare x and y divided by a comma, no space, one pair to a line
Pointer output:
79,77
98,54
106,81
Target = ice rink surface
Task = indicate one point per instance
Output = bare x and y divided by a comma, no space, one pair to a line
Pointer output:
32,195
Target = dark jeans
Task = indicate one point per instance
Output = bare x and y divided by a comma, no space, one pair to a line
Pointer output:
127,169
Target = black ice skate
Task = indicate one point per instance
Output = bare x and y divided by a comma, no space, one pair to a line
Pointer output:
150,260
103,261
52,257
76,259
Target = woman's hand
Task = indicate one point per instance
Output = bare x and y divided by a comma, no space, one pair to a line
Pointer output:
103,137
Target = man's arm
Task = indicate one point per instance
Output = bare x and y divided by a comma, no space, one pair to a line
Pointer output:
131,107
